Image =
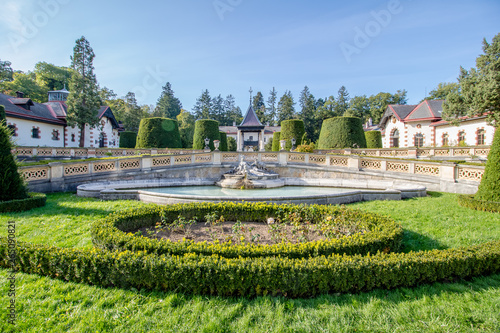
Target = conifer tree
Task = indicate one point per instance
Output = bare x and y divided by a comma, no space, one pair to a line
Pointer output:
167,106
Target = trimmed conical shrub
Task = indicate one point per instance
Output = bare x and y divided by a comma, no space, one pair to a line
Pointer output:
158,133
223,141
205,128
276,141
342,132
489,189
11,184
128,139
292,129
373,139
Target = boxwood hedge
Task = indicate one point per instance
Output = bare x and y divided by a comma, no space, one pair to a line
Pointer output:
205,128
342,132
128,139
276,141
158,133
470,201
223,141
113,232
292,129
33,200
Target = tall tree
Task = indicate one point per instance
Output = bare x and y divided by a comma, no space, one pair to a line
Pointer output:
186,128
218,111
342,103
442,90
52,77
133,113
359,106
6,72
327,110
83,100
379,103
307,113
286,109
259,107
271,106
25,82
203,107
233,112
167,106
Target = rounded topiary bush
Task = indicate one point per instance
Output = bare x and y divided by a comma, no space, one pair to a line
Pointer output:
205,128
231,144
489,189
292,129
128,139
342,132
223,141
373,139
12,186
276,141
158,133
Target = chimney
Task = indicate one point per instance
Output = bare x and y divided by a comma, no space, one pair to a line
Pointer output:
19,94
234,123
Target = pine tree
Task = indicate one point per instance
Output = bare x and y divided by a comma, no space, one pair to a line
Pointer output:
203,106
308,113
342,101
132,113
11,184
218,112
286,109
167,106
259,107
271,106
233,112
83,100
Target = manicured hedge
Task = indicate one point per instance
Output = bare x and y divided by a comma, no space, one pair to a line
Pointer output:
231,144
342,132
128,139
34,200
113,232
276,141
470,201
12,185
223,141
373,139
158,133
292,129
203,129
214,275
489,189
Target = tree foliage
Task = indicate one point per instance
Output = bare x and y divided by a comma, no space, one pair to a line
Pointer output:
271,106
342,132
373,139
286,109
26,83
11,183
489,189
203,107
308,113
292,129
128,139
167,106
158,133
205,128
186,128
442,90
276,141
6,72
52,77
83,100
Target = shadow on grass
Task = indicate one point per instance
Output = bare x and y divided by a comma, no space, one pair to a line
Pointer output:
413,241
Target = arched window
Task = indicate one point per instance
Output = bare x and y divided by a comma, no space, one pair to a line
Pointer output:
461,137
419,140
395,139
480,137
446,140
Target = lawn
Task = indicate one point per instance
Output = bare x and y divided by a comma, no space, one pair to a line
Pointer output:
47,305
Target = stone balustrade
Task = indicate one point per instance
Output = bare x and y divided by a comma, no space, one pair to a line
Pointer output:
80,153
450,152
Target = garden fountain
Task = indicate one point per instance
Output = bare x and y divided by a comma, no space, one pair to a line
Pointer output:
250,176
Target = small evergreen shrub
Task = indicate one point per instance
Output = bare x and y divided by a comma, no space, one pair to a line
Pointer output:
276,141
489,189
223,141
269,145
373,139
128,139
2,113
342,132
292,129
205,128
12,185
232,145
470,202
158,133
34,200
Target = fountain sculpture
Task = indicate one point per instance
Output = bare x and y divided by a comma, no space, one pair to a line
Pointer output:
249,176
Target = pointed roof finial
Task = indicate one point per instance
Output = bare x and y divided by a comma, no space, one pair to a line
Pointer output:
251,91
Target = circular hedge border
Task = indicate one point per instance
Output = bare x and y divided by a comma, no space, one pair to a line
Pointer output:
113,232
470,202
34,200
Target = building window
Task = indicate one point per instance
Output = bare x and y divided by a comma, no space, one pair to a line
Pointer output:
446,140
395,139
480,137
461,138
35,133
55,135
419,140
13,129
73,137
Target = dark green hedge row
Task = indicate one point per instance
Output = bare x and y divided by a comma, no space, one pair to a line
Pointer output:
276,141
158,133
373,139
292,129
113,232
214,275
34,200
205,128
223,141
342,132
128,139
487,206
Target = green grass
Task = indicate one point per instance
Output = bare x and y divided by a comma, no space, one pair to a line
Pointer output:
47,305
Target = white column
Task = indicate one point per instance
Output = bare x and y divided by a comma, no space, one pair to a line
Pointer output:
238,141
261,140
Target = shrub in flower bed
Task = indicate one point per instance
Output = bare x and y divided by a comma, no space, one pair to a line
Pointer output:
215,275
34,200
379,233
470,202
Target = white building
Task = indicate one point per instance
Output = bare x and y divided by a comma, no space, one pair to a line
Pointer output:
44,125
422,126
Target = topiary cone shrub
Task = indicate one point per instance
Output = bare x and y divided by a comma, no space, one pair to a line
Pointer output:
342,132
292,129
158,133
128,139
205,128
12,186
276,141
489,189
373,139
223,141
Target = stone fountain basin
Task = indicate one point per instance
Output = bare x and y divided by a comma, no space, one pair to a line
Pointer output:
354,191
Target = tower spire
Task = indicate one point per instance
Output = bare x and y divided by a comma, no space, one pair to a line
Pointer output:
251,91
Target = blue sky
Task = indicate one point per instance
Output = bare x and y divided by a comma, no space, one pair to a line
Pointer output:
226,46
